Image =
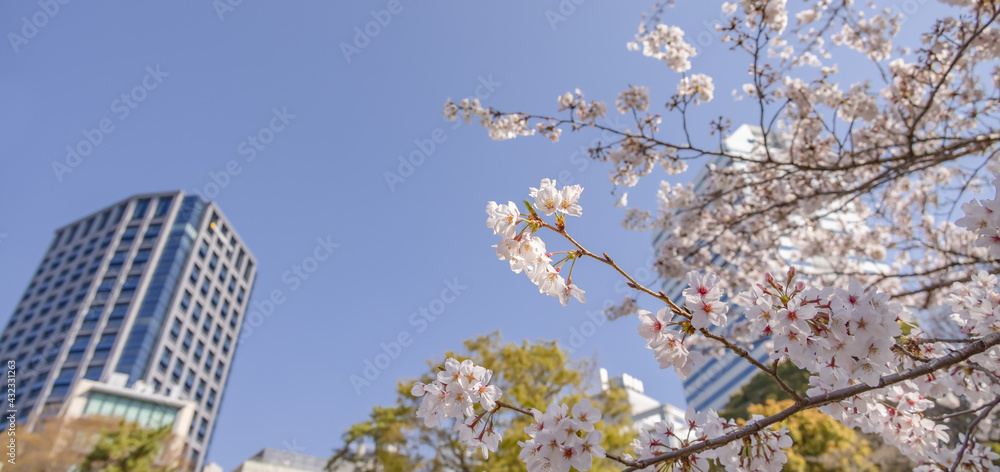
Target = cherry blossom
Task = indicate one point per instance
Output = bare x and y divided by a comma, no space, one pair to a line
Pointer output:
454,394
555,443
870,180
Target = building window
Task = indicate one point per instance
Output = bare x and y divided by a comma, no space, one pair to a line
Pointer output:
195,273
218,370
196,313
185,300
210,402
131,281
77,273
209,361
141,256
223,272
203,249
205,285
215,298
140,209
101,354
107,240
118,260
104,219
91,318
246,273
232,284
129,234
94,266
163,206
58,391
199,393
199,351
217,335
202,430
188,337
90,247
189,381
117,316
226,345
69,236
80,343
175,330
165,360
152,231
235,319
213,262
178,370
239,259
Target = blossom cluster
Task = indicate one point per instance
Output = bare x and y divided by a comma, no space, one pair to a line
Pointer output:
669,339
635,98
454,394
556,444
844,336
983,219
763,454
668,344
849,337
585,111
501,126
665,43
525,251
979,305
845,175
772,14
698,87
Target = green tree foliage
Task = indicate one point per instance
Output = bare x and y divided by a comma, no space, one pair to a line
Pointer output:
130,448
821,443
531,375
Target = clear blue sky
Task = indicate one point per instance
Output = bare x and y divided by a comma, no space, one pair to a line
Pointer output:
322,176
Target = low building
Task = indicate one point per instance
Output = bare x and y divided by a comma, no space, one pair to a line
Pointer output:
279,460
93,407
645,410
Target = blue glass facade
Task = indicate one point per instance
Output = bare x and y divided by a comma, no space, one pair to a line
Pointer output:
150,319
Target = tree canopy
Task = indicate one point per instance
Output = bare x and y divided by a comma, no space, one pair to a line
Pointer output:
533,373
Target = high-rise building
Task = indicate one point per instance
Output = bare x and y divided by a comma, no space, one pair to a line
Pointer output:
153,287
710,385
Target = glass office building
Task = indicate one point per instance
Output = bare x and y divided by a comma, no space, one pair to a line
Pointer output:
154,287
710,385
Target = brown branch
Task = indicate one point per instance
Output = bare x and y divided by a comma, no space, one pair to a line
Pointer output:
976,347
972,428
